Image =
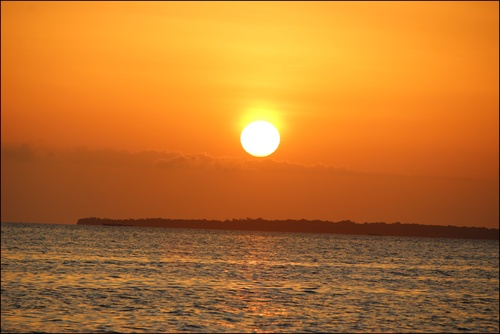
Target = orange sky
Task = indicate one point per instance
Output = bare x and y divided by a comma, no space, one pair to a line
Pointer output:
404,92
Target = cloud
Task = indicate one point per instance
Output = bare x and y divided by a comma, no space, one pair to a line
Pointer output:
160,159
23,152
174,160
200,161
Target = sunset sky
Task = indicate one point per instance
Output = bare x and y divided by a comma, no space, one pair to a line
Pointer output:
388,111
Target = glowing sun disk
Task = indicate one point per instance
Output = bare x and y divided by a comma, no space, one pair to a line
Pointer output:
260,138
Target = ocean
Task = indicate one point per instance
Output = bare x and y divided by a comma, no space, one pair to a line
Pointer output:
77,278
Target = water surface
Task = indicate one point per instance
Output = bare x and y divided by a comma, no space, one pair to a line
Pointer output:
69,278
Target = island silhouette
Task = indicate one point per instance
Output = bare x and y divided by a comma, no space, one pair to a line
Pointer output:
306,226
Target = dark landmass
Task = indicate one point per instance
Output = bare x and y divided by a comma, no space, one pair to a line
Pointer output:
307,226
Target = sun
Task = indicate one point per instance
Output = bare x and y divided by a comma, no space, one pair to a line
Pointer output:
260,138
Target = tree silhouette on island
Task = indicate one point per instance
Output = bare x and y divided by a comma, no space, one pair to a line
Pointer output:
306,226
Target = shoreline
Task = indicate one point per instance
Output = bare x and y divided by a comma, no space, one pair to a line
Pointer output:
379,229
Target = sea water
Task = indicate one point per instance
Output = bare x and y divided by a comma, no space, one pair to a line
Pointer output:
69,278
